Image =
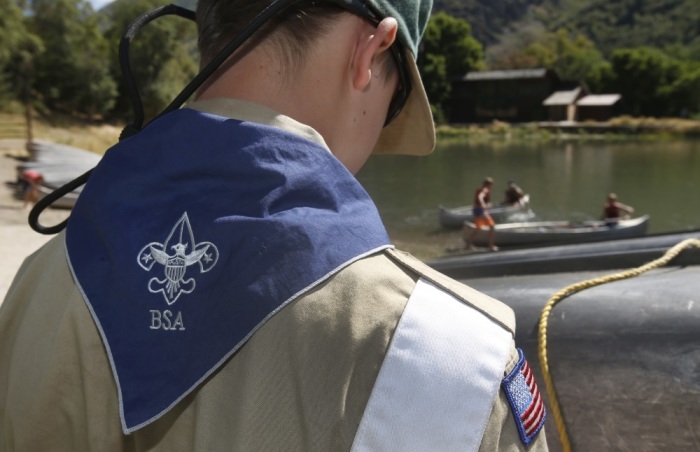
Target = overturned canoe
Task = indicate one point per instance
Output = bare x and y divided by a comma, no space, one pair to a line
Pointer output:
559,258
58,164
454,218
512,234
625,355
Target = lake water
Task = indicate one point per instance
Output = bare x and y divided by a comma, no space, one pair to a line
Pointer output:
565,180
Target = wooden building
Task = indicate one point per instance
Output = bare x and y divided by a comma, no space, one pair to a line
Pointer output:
561,105
507,95
526,95
598,107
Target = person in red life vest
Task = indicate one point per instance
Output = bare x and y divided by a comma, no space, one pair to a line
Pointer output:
613,208
482,198
31,180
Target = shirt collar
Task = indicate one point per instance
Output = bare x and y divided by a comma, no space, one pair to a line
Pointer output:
250,111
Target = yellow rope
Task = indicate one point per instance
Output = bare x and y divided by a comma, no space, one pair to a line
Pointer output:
572,289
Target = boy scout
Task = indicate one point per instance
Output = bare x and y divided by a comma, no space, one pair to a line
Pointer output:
224,283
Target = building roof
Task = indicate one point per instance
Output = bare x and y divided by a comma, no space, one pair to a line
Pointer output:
505,74
599,100
563,97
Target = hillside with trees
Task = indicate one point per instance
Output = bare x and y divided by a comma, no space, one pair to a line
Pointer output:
646,50
671,25
488,19
62,56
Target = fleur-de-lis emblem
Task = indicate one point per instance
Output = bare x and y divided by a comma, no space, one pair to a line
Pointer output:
175,265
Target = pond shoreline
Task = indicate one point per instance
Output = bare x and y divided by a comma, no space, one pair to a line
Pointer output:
617,129
98,136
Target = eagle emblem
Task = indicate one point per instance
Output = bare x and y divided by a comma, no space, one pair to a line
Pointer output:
178,252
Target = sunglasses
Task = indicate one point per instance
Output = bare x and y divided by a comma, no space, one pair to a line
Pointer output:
361,9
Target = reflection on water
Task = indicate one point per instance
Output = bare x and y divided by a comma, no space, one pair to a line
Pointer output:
565,181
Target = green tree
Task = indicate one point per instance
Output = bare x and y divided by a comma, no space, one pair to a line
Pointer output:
574,58
684,92
18,48
437,85
163,55
72,74
648,80
12,30
509,52
448,50
629,23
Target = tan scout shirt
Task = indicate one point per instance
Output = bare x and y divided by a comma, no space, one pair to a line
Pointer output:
301,382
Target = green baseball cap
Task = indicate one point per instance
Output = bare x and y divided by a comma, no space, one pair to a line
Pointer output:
412,132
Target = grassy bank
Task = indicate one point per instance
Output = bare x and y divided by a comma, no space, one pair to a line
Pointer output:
61,129
621,128
98,137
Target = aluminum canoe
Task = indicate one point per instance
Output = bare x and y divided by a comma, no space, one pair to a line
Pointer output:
454,218
527,233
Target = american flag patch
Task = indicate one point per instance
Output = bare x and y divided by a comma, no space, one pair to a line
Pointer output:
525,400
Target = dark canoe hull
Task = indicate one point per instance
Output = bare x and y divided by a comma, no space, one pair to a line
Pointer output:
608,255
454,218
514,234
624,356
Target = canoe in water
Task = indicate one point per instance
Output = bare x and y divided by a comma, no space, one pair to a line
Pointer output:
526,233
454,218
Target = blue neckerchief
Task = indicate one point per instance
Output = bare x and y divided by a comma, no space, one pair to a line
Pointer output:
193,233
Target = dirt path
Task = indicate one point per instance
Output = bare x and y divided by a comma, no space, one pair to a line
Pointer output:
17,239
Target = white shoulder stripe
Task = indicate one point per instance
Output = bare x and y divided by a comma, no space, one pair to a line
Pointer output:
439,378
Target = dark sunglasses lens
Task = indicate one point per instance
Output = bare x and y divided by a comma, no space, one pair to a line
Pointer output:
397,104
404,88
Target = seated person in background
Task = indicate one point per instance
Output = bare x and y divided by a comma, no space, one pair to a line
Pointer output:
612,208
31,179
513,193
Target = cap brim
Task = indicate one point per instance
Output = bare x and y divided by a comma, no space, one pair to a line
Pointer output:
413,130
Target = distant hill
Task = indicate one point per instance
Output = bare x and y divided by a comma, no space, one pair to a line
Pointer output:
488,18
609,24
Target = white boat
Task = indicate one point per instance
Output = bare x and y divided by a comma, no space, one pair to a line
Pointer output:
454,218
58,165
541,232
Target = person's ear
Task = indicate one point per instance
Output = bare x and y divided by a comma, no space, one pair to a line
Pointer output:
371,47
